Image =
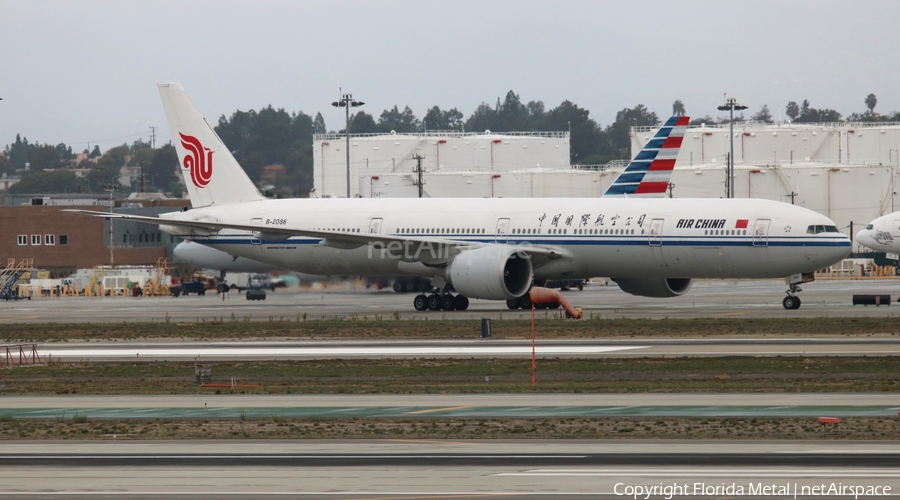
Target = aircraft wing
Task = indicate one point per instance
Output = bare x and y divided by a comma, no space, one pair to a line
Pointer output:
430,251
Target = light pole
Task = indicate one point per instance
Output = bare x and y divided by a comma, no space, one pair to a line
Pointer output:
111,188
731,105
347,102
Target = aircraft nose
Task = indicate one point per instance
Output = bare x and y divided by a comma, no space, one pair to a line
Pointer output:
864,237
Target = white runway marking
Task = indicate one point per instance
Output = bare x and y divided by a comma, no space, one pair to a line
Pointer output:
241,351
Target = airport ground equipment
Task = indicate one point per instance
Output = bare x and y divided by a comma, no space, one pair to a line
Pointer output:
20,355
872,300
11,275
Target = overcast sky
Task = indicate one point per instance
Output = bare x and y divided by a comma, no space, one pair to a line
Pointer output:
86,71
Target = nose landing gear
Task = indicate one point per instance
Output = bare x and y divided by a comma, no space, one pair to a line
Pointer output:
793,282
791,301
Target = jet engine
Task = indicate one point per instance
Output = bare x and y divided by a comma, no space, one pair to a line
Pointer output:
655,287
493,272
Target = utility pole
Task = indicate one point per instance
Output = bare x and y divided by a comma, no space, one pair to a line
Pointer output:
671,189
420,182
152,137
142,176
111,188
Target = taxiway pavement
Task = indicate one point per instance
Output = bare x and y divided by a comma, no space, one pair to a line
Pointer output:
707,298
407,469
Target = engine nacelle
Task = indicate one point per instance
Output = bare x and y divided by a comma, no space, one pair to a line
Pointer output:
655,287
493,272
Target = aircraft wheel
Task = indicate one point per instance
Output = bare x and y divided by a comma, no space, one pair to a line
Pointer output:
525,302
434,302
222,288
448,302
512,303
410,287
398,287
420,302
791,302
461,303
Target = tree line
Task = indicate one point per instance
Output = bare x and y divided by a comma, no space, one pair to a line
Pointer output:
275,137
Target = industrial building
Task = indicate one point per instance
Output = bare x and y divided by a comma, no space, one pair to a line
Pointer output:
36,228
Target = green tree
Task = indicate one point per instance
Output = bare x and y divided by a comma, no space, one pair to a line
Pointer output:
625,119
65,152
19,152
363,123
57,181
162,169
6,166
512,115
589,144
274,137
809,114
319,124
792,110
871,101
437,119
483,118
45,158
399,121
678,108
95,153
702,120
763,115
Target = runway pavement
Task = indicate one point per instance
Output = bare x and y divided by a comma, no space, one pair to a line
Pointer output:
707,298
406,469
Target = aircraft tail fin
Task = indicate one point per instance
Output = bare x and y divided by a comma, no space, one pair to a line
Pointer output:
648,173
211,174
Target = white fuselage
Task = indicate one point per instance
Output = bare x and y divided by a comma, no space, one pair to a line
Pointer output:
620,238
882,234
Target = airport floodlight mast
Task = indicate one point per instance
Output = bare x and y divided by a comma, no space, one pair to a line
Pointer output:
347,102
731,105
111,188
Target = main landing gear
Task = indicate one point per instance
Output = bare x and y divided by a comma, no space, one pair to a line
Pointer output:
440,301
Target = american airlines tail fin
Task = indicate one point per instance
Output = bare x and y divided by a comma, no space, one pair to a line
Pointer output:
212,175
648,173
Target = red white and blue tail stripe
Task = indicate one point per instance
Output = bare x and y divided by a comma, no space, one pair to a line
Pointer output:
648,174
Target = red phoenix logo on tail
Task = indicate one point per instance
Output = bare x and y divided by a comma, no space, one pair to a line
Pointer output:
196,161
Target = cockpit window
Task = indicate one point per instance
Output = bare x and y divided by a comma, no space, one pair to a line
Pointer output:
821,229
869,227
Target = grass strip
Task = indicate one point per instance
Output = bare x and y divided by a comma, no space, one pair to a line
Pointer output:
498,375
394,326
870,428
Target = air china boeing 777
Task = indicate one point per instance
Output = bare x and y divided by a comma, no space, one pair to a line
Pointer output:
490,248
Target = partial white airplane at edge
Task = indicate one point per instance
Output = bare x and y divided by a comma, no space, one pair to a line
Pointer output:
882,235
489,248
